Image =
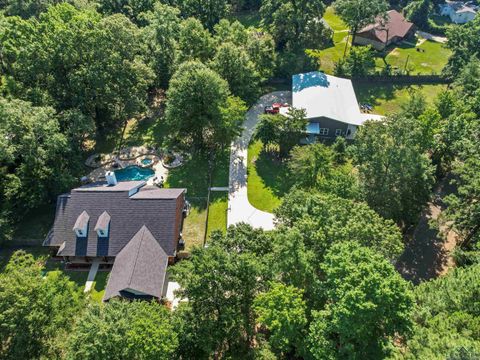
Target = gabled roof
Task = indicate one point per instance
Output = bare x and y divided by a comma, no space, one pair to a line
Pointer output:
82,221
158,209
326,96
140,266
103,221
395,25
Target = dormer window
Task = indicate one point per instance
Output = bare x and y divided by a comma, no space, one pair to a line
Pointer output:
81,225
103,224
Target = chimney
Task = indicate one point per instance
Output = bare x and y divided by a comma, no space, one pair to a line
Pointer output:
111,178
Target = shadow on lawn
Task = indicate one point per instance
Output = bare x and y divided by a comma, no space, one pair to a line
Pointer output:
273,172
366,93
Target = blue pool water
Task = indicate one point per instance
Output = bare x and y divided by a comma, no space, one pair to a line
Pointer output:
134,173
147,161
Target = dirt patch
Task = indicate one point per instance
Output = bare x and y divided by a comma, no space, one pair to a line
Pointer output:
429,253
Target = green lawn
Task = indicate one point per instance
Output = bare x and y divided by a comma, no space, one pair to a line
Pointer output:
267,178
388,98
332,54
430,60
217,213
195,222
333,20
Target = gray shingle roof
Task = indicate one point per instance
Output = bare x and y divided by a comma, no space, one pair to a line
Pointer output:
140,266
157,210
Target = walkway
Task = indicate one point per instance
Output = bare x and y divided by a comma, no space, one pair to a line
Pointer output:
91,275
428,255
240,209
428,36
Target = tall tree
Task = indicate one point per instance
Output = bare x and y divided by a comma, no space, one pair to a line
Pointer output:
359,13
233,64
199,107
36,311
282,311
221,287
294,24
195,42
36,160
122,329
395,172
97,65
323,220
368,303
209,12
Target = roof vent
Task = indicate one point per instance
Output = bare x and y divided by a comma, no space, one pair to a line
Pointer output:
111,178
81,225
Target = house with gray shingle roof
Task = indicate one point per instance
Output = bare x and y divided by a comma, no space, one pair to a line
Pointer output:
130,227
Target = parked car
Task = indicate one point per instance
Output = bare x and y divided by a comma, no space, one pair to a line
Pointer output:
274,108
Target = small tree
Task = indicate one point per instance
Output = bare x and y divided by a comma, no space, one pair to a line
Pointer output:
282,130
359,13
309,163
359,62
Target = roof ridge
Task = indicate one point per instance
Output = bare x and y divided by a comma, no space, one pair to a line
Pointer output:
143,228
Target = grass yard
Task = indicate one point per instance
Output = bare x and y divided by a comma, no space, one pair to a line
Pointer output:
195,223
430,60
387,99
217,214
35,225
267,178
331,55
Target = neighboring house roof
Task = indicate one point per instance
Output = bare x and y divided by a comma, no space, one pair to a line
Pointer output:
157,209
395,24
140,267
326,96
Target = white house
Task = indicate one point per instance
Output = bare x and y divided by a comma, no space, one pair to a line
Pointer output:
459,12
330,103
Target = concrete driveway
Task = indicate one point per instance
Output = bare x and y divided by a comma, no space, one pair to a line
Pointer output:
239,208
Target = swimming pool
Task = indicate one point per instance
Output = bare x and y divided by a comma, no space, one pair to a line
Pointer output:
134,173
146,161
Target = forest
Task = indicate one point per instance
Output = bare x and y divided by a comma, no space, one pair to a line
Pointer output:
325,284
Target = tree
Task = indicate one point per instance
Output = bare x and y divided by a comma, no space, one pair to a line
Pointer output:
259,45
220,287
282,130
447,317
294,24
36,161
135,10
395,172
97,65
209,12
339,148
464,205
35,311
359,62
233,65
197,102
368,303
463,42
27,8
282,311
310,164
418,12
359,13
161,35
122,329
195,42
324,220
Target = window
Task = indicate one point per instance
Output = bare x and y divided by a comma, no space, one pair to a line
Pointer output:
323,131
338,132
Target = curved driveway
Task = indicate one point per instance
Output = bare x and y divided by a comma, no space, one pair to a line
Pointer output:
240,209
